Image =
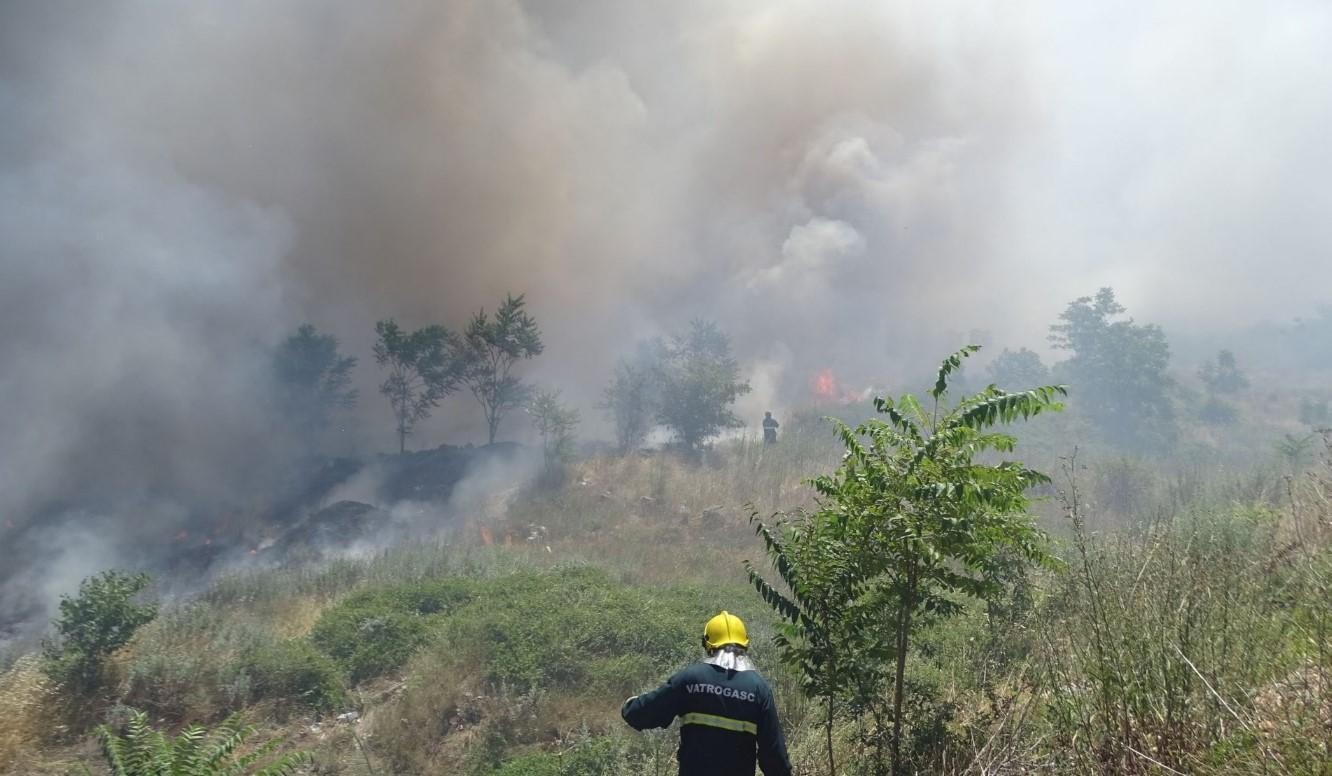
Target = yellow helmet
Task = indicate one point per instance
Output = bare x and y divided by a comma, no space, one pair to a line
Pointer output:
725,629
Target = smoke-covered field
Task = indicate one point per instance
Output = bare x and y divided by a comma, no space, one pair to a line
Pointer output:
849,190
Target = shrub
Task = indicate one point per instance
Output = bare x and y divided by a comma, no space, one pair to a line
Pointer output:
373,632
101,619
576,627
180,662
292,671
172,685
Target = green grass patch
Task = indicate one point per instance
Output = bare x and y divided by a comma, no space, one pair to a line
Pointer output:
576,627
375,631
292,671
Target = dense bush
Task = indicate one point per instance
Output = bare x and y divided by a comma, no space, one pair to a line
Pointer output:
172,685
92,625
181,663
576,627
291,671
373,632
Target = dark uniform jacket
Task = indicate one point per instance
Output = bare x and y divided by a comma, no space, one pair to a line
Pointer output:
728,721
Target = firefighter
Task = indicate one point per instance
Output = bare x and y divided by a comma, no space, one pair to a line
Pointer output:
770,425
728,719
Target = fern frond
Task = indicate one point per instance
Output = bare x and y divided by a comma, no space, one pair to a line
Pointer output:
286,765
114,751
231,735
241,764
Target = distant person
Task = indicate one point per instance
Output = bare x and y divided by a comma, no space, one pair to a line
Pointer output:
770,425
728,720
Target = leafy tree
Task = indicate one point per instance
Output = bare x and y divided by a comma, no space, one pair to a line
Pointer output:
1218,412
1315,413
491,347
909,526
1118,368
422,370
143,751
314,379
699,380
555,422
631,402
92,625
836,637
1223,375
1018,367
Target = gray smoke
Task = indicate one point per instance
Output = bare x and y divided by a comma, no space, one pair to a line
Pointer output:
840,184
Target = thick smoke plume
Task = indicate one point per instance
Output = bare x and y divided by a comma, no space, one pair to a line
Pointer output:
842,184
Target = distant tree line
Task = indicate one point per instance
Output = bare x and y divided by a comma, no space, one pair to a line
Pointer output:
422,366
1118,370
685,384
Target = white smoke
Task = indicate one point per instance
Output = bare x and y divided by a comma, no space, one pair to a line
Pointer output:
837,183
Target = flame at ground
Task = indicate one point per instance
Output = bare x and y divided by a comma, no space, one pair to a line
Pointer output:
825,385
827,389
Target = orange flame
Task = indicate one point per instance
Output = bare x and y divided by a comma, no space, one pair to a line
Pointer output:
825,385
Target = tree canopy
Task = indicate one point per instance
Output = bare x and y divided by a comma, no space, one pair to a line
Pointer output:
1018,367
313,379
1222,374
631,401
422,370
698,380
491,346
554,421
1118,369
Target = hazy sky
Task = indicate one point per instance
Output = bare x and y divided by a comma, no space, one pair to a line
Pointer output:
852,185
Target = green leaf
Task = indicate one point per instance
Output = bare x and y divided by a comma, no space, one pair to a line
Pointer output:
950,365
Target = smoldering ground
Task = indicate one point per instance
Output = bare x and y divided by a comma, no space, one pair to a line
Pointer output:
838,184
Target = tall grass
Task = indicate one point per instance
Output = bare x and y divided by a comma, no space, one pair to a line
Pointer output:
1171,647
25,695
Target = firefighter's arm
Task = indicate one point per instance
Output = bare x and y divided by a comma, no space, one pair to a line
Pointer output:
655,709
772,755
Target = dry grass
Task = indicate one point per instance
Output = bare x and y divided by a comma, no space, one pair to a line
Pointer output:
659,519
24,699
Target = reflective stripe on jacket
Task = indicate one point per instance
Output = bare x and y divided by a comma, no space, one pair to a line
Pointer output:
728,721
